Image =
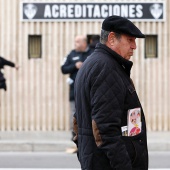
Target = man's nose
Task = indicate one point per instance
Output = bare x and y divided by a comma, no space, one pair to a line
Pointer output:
133,45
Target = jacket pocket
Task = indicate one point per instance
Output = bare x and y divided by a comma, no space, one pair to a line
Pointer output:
137,150
130,148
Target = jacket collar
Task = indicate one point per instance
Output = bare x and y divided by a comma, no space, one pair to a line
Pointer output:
125,64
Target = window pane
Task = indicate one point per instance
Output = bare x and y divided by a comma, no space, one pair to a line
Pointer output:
34,48
151,46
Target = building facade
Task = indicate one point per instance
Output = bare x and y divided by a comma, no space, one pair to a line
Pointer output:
37,35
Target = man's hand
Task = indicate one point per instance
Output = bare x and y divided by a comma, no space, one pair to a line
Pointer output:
16,67
78,64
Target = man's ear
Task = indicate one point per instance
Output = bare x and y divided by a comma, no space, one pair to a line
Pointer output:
111,38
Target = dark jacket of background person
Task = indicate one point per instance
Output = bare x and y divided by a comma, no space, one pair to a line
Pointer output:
69,67
93,41
4,62
104,88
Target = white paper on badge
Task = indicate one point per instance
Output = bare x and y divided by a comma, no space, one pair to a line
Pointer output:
124,130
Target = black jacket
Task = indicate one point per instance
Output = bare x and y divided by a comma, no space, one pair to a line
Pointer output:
104,93
69,67
4,62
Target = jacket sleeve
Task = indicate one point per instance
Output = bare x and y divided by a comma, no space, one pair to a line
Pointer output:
107,100
5,62
75,130
68,67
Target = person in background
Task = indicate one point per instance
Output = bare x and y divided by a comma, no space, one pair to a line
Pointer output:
104,95
93,41
72,64
4,62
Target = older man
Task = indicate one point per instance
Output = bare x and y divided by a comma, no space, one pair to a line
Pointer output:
104,95
72,64
74,61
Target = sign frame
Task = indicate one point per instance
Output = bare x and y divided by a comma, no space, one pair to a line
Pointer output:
90,19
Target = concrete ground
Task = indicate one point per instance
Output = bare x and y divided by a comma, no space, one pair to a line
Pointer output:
61,140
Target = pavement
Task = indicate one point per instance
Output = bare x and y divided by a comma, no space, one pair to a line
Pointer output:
61,140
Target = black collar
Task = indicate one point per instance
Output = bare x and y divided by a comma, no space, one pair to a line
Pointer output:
126,64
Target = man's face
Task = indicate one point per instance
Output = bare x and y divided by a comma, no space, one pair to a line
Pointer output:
125,46
80,44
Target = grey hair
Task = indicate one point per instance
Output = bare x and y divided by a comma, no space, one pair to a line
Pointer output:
104,36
